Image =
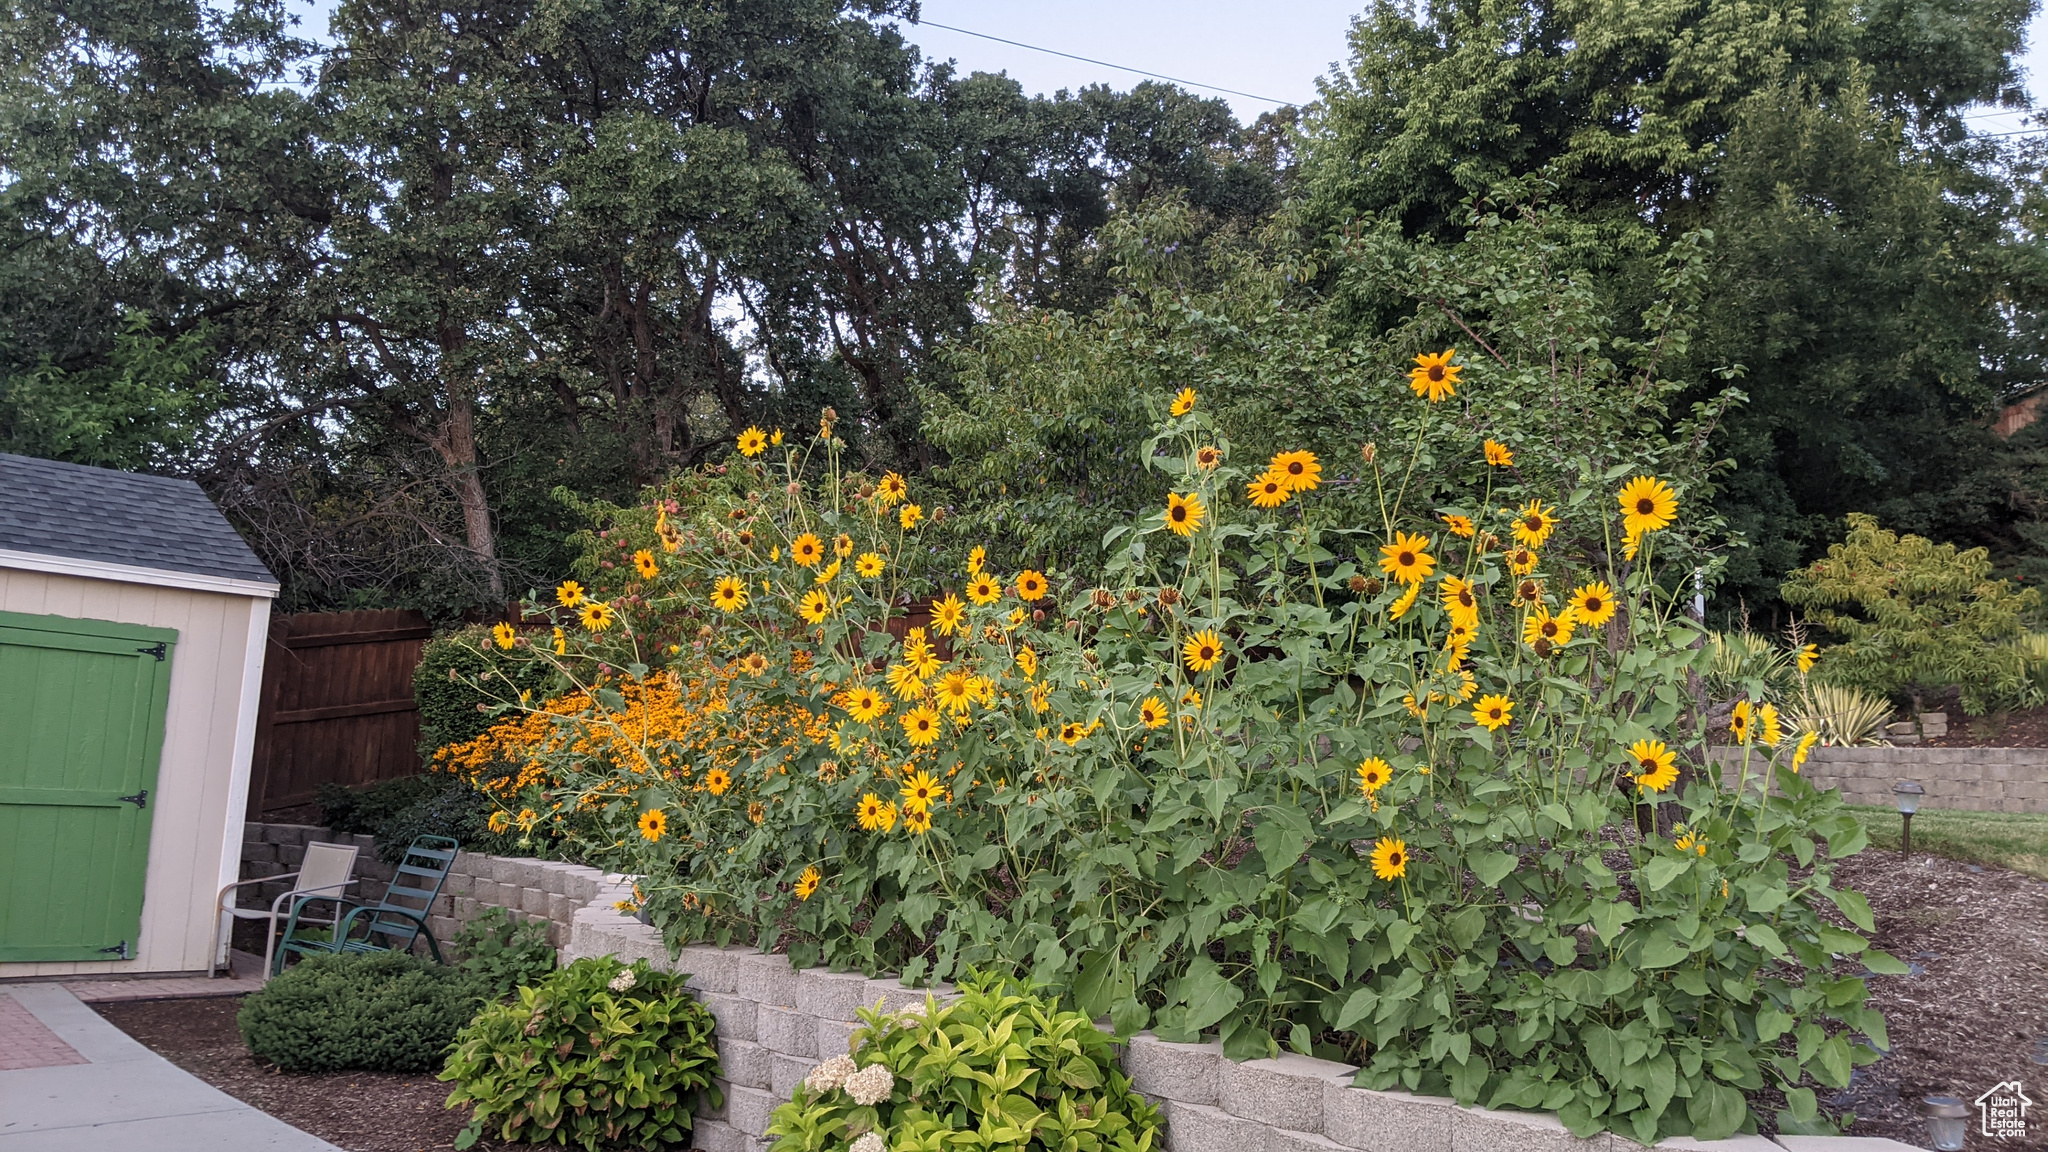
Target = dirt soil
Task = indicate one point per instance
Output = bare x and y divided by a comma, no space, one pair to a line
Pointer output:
359,1111
2025,728
1974,1010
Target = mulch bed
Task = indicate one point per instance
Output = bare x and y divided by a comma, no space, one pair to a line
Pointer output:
2023,728
359,1111
1975,1007
1969,1016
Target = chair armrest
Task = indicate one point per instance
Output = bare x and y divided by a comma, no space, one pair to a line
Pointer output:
301,895
220,898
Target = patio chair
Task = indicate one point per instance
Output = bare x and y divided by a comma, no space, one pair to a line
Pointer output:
387,925
322,875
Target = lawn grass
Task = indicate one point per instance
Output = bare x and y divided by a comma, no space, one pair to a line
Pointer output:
2015,840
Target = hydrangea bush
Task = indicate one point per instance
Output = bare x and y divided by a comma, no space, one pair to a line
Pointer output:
1422,788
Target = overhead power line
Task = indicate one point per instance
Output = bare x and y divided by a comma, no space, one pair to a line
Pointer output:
1107,64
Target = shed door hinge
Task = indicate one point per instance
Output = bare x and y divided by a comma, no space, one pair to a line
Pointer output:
157,650
140,799
121,948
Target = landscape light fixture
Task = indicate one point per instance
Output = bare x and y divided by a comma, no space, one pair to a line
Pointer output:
1908,793
1948,1121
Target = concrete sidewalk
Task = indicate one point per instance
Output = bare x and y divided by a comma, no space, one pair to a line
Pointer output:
71,1082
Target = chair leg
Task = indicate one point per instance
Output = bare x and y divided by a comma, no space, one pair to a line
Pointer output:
269,946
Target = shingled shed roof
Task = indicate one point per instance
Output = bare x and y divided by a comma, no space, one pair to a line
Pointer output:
125,518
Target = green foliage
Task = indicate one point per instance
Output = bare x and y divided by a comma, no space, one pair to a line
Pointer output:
1840,714
504,953
444,685
379,1012
1743,664
595,1056
146,408
399,810
1001,1067
1914,616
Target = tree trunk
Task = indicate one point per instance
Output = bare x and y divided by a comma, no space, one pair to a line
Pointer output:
457,447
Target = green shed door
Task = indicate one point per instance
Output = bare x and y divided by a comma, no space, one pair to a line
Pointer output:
81,728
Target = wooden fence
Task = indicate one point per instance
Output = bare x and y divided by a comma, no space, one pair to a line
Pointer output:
337,704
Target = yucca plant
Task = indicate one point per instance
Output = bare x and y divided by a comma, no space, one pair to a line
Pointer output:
2033,648
1842,715
1745,664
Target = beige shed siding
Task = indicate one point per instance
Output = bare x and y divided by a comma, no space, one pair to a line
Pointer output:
195,794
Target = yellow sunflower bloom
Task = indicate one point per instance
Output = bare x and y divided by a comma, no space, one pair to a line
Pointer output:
1184,513
597,615
922,791
842,545
1268,491
807,884
1373,775
866,705
909,515
955,691
1389,858
875,814
1207,457
984,589
1202,651
1809,655
1434,376
869,566
1534,523
1493,712
1152,713
1521,561
653,824
755,664
921,725
917,823
806,550
815,606
730,595
569,594
1499,455
1459,526
1183,402
1803,749
976,557
948,614
904,682
1540,627
1593,604
1299,469
1739,722
892,490
1031,586
1407,559
1656,765
1460,599
1399,608
643,562
1647,505
503,634
717,781
1767,733
1027,661
753,442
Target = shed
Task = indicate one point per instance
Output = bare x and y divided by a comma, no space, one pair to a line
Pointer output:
132,624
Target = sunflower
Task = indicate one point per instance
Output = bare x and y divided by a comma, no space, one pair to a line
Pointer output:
1460,526
955,691
503,634
1629,544
1434,375
755,664
1460,599
753,442
921,725
1534,523
1389,858
1493,712
866,705
806,550
875,814
643,560
1541,627
948,614
1459,637
1268,491
1041,697
1656,765
653,823
868,566
919,654
909,515
1738,722
1183,402
1031,586
1191,698
984,589
1528,591
892,490
922,791
1299,468
1804,749
1027,661
904,682
1499,455
717,781
1407,559
1521,561
1399,608
561,643
1767,725
1202,650
1207,457
596,615
1809,655
917,823
569,594
1593,604
976,557
1152,713
815,606
1373,775
1072,733
842,545
757,812
807,884
1647,505
1183,513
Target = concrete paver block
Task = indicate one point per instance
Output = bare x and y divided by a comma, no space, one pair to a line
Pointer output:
831,995
1199,1128
1285,1091
749,1108
767,978
1376,1121
736,1015
1183,1073
786,1072
1688,1144
1842,1144
711,969
835,1038
744,1062
786,1030
717,1136
1285,1140
1487,1130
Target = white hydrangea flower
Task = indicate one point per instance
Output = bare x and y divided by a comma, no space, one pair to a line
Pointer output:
871,1085
831,1074
915,1008
872,1142
623,982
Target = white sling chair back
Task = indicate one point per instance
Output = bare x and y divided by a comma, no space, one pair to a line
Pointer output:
323,875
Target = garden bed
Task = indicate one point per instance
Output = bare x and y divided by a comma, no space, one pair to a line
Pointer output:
2020,728
358,1111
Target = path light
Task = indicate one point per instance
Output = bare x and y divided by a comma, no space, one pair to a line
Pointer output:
1908,793
1948,1121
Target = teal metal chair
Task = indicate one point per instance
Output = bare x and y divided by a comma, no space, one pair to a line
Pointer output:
387,925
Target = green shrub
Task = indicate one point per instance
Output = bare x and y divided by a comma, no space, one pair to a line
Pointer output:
505,954
997,1055
373,807
432,804
1916,616
597,1055
380,1012
457,674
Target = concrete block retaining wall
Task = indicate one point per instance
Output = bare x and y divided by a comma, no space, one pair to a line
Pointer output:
1973,779
775,1023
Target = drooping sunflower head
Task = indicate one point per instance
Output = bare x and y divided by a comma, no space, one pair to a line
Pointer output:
1373,775
753,442
1071,733
1268,491
1183,402
1647,505
1459,526
1739,723
917,822
1202,650
754,664
1389,858
1809,655
730,595
1521,561
1027,661
984,589
1499,455
1184,513
1031,586
1804,749
1407,559
1152,713
1300,469
1207,457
